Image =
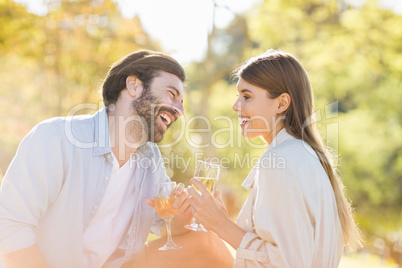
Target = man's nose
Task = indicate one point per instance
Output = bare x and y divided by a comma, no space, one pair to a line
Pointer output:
179,108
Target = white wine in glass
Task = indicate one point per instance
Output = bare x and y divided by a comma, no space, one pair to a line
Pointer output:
163,201
209,183
208,174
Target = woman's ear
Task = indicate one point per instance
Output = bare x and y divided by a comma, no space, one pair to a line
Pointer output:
134,86
284,101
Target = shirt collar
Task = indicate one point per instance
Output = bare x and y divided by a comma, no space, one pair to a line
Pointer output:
281,137
249,180
145,150
102,137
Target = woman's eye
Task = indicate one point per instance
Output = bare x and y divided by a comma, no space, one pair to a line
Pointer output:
245,96
172,94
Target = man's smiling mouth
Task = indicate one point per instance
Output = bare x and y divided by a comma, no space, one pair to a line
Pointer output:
166,119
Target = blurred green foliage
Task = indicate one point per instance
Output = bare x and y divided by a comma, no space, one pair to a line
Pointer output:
353,55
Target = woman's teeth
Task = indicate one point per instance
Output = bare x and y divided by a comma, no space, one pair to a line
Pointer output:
244,120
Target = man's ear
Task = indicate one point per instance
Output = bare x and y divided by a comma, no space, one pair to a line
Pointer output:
134,86
283,101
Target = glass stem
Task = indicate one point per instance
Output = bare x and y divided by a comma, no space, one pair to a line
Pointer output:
168,230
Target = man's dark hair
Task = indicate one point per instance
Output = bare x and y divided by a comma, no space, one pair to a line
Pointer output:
145,65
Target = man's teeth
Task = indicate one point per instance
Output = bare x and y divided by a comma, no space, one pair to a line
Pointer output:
167,119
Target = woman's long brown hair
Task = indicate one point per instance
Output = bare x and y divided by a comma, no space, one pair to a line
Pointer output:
279,72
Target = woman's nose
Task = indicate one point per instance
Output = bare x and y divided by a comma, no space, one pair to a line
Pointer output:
236,106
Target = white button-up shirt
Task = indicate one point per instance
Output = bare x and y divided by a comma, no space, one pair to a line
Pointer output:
55,183
111,222
291,216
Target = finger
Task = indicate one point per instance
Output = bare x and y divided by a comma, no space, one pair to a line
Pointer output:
200,186
150,202
193,211
218,195
193,208
194,194
193,205
188,211
183,207
179,189
181,198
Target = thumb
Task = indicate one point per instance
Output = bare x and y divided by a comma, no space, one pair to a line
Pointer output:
218,195
150,202
219,198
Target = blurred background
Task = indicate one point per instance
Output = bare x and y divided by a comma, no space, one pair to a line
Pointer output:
55,54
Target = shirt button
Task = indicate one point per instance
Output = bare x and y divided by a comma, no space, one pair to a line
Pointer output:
108,156
106,178
95,207
263,258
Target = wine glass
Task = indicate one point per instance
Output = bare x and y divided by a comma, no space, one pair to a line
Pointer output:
208,174
164,207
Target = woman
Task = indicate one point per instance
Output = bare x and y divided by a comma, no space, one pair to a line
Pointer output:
296,214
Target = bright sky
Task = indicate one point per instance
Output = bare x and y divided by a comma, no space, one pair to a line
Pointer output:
181,26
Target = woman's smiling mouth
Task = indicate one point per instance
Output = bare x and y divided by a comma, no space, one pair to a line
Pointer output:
244,120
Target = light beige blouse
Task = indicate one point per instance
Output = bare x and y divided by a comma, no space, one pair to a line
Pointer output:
290,216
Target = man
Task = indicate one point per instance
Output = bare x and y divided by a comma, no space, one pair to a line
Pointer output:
74,194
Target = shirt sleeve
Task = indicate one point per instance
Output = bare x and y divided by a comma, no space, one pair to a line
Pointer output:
161,176
284,231
30,184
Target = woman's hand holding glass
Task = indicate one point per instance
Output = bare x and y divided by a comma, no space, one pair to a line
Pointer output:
208,174
207,208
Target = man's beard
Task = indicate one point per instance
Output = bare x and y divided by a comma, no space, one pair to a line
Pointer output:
148,107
